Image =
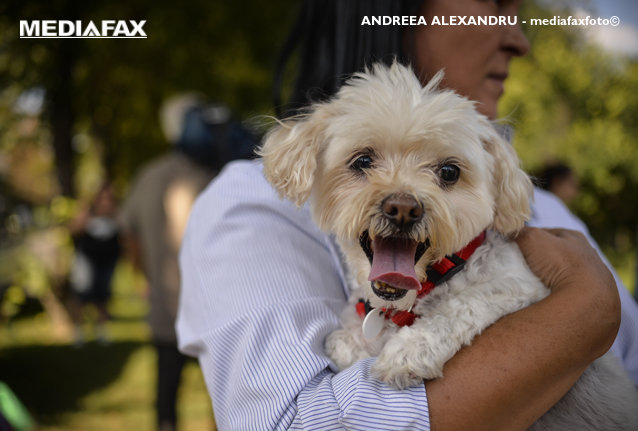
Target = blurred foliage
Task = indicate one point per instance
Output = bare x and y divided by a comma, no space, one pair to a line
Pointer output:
35,267
571,101
75,111
224,50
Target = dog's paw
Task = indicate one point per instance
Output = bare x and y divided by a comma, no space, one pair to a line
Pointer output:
344,348
400,379
402,365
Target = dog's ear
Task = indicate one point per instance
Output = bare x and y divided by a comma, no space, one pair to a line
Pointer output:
512,186
290,154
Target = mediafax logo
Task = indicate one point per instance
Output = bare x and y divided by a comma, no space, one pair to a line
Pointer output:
62,29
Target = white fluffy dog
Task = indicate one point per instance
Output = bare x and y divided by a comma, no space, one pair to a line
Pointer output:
421,194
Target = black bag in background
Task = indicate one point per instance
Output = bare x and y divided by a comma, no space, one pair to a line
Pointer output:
212,137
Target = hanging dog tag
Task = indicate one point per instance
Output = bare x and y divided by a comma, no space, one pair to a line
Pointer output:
373,324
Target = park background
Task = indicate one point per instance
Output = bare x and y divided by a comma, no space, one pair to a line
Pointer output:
75,111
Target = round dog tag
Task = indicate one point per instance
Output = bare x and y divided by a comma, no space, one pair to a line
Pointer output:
373,324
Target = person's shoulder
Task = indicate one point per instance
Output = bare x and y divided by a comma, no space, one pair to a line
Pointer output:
148,179
244,170
167,163
543,198
240,179
549,211
150,170
241,185
241,198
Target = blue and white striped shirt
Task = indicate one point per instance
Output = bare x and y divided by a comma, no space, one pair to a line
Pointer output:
261,289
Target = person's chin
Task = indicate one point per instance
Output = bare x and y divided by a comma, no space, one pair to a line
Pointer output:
489,96
488,106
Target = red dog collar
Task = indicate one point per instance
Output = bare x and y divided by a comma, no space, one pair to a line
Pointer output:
437,273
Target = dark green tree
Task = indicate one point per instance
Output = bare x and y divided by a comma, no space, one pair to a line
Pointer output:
572,101
112,88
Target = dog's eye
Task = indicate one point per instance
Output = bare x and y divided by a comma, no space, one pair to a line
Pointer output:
361,163
449,174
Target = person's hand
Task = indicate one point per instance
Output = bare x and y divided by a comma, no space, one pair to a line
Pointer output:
519,367
568,265
562,257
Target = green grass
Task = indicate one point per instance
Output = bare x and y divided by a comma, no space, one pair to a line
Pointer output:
95,387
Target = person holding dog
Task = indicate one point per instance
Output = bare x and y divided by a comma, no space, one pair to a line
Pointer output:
262,287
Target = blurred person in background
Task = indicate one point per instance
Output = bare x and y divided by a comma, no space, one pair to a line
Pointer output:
559,179
96,240
155,213
262,286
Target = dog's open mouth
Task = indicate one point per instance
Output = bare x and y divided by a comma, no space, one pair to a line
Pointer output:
392,258
387,292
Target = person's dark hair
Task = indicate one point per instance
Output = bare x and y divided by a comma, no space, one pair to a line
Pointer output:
552,173
334,45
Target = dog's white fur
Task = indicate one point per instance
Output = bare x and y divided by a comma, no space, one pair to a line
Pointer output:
409,132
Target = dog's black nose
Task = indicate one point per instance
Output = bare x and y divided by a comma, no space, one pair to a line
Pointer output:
403,210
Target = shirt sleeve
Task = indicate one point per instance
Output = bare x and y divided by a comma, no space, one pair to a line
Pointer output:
261,289
549,211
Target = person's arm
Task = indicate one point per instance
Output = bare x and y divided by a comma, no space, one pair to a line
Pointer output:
261,289
133,250
524,363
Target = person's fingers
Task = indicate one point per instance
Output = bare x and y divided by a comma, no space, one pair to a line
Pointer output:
567,233
559,255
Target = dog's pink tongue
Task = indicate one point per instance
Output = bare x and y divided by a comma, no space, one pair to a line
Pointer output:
393,263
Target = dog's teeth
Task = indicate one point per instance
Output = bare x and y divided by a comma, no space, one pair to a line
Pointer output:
381,285
387,291
384,287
